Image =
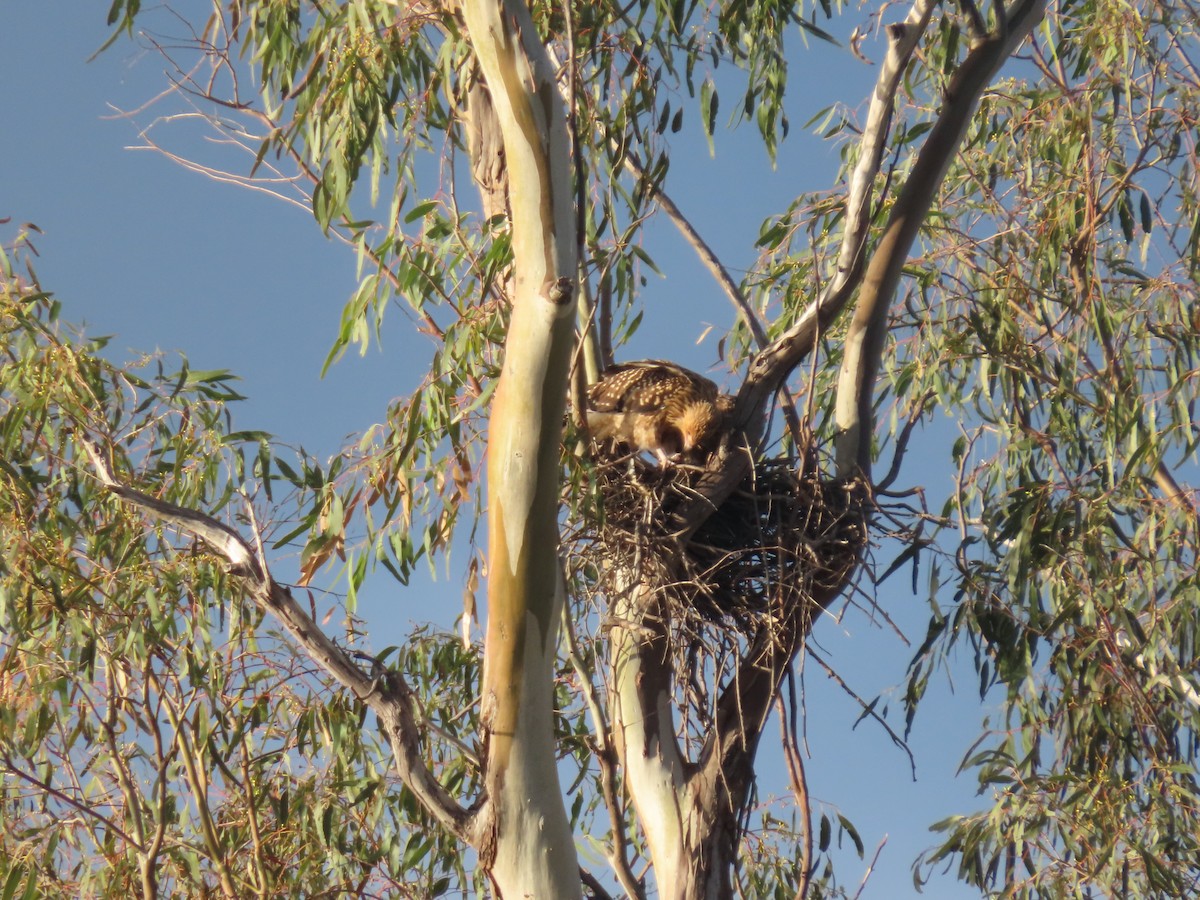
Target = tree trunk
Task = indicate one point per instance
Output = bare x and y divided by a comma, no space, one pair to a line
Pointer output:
526,843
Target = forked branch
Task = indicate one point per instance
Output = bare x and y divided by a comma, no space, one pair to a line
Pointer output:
777,361
865,339
770,368
743,706
749,695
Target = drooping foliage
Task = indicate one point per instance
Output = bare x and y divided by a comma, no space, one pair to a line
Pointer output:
159,738
1057,297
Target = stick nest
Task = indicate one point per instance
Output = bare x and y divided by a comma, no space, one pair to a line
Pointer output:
784,537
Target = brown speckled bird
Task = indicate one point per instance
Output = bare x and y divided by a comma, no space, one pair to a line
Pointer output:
657,407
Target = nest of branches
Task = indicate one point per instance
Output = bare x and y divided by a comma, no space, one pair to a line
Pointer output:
744,589
778,548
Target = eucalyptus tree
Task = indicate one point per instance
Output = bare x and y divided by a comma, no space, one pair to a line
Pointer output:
1014,249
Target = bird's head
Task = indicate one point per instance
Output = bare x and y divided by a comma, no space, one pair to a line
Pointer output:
698,423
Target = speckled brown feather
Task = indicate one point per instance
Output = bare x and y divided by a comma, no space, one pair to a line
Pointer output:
655,406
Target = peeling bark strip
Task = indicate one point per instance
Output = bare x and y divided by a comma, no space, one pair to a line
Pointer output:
524,807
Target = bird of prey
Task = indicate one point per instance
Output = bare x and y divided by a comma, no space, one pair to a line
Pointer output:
657,407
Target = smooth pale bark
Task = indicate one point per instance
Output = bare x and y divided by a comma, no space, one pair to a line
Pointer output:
644,733
525,838
690,811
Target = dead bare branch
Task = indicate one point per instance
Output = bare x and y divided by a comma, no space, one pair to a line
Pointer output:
789,715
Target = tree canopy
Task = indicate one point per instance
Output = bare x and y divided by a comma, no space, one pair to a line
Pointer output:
1010,252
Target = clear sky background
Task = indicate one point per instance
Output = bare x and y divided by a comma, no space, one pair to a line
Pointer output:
137,247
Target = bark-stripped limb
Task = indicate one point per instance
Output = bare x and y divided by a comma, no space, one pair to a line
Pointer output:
386,694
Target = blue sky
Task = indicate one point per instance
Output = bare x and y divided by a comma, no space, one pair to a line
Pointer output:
162,258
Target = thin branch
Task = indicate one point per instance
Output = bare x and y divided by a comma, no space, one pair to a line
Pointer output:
108,723
916,412
1002,24
165,757
49,789
385,694
868,710
250,182
196,778
257,854
604,320
1172,491
587,337
303,169
744,310
742,306
788,717
862,885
